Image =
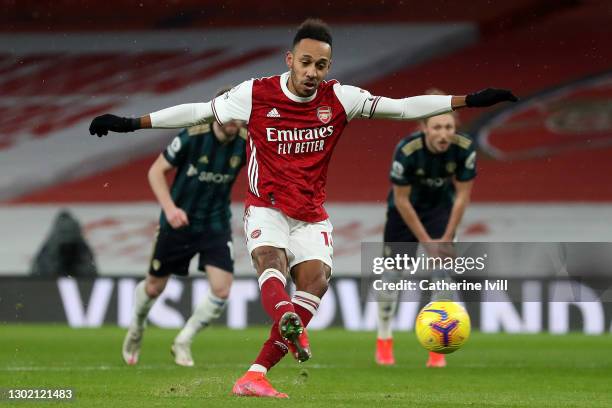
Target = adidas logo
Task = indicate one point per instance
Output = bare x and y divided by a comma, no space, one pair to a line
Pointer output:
273,113
191,171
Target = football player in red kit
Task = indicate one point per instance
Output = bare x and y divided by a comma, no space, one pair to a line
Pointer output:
294,122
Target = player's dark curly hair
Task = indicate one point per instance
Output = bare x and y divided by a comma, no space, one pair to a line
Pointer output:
314,29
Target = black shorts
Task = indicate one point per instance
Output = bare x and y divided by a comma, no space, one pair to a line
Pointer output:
434,220
174,249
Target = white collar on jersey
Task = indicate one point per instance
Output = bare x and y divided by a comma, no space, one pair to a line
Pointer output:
283,83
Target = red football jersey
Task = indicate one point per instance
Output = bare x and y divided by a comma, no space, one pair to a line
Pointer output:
290,140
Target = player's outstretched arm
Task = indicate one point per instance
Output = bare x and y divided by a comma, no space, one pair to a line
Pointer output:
419,107
179,116
232,105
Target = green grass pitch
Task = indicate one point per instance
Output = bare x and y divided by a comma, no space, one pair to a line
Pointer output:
491,370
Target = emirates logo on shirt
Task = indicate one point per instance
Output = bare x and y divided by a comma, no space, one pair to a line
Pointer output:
308,140
324,113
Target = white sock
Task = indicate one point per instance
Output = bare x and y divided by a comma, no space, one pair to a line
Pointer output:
142,304
258,368
386,310
210,308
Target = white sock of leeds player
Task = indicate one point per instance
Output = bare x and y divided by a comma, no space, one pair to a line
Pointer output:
142,304
210,308
386,311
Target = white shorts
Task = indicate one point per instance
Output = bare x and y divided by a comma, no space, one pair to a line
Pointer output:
302,241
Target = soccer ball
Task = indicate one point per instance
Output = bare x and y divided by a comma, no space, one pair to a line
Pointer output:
442,326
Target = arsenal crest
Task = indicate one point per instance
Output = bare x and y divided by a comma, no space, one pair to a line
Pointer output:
324,113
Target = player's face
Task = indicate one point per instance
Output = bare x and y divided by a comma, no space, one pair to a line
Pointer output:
439,132
231,129
309,63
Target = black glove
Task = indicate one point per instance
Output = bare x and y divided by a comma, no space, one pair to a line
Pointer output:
489,97
102,124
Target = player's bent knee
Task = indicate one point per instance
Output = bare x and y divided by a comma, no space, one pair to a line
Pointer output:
220,281
155,286
267,257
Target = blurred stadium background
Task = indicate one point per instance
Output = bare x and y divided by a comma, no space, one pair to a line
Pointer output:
544,165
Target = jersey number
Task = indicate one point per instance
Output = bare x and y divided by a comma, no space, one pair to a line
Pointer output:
327,238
